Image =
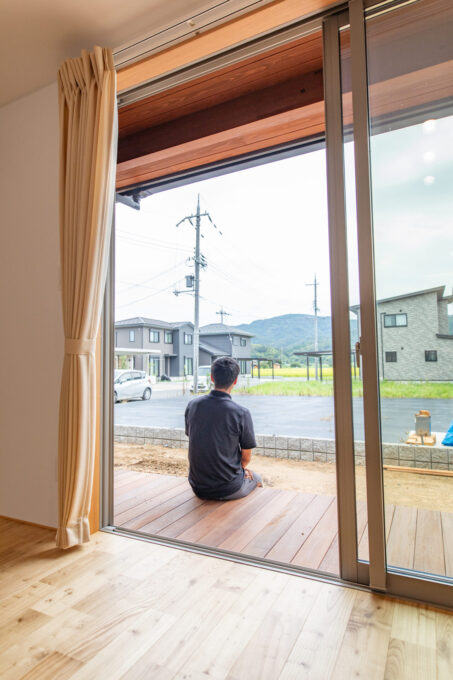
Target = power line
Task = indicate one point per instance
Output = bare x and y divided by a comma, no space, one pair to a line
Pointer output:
148,243
156,276
146,297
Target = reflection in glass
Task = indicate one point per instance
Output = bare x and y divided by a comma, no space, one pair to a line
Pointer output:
411,126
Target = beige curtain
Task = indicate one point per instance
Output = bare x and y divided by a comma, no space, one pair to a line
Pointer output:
88,138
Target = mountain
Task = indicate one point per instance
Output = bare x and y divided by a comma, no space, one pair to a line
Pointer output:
294,331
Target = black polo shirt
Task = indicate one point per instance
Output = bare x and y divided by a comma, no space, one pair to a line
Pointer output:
218,428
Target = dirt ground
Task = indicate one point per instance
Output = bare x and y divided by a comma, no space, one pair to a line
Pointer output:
432,492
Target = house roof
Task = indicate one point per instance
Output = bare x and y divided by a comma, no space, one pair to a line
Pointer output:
210,349
154,323
439,290
223,329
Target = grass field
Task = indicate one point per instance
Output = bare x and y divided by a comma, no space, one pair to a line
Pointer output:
327,372
388,389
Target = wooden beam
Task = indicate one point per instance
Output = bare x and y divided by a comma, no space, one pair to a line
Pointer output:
261,134
291,94
397,95
249,75
243,28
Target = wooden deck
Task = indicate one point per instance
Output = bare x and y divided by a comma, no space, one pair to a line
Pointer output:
287,526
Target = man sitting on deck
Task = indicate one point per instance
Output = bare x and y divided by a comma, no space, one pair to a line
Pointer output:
221,439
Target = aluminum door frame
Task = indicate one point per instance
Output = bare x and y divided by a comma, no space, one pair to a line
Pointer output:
418,586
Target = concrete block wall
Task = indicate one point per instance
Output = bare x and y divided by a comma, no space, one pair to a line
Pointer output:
299,448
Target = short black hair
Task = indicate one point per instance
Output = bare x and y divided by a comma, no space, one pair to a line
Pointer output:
224,371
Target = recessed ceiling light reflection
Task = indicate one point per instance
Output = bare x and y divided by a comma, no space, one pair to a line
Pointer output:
429,180
429,126
429,156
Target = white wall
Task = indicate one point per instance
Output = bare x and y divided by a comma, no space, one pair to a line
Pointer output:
31,334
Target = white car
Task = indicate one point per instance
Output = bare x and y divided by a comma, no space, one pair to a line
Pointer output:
131,385
204,379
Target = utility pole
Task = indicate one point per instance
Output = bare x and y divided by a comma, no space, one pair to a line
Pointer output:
196,323
199,262
315,285
222,314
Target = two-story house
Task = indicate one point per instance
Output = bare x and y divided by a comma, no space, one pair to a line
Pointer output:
229,341
414,342
154,346
161,347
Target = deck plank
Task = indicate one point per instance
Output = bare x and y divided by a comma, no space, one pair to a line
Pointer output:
401,540
189,519
215,528
285,526
160,508
168,490
248,530
289,544
265,540
429,544
314,549
137,494
159,523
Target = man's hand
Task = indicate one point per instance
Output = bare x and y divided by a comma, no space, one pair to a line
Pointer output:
248,474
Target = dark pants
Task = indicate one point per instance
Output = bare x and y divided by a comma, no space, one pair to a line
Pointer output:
247,486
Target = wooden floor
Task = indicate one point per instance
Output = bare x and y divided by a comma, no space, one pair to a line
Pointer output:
122,609
281,525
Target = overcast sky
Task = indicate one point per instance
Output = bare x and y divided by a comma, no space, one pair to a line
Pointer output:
272,233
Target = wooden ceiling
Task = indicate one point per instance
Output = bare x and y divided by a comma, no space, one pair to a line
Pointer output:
282,79
277,97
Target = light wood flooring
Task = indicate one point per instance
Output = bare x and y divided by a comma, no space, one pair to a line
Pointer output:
123,609
290,527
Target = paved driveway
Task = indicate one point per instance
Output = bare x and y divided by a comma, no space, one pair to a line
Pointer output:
293,416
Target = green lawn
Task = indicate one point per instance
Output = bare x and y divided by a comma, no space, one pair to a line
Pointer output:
389,389
327,372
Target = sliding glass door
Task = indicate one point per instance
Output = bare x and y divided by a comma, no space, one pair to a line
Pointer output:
366,494
396,146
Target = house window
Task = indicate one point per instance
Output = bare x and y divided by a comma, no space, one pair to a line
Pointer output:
188,338
390,357
188,365
154,366
430,354
131,336
243,342
393,320
154,336
242,365
168,337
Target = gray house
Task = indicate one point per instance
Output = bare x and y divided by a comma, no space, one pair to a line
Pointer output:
160,347
153,346
414,341
229,341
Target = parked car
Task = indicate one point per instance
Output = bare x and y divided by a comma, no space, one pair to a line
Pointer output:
204,379
131,385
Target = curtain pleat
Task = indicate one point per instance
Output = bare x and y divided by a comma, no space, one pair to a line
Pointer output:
88,142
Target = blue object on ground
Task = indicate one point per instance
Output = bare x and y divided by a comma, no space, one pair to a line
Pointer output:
448,439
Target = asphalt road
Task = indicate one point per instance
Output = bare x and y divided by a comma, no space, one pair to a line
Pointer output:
294,416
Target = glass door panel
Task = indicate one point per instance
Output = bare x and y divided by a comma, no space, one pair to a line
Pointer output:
259,278
354,295
410,89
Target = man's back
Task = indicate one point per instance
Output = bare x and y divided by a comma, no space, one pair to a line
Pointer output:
218,429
